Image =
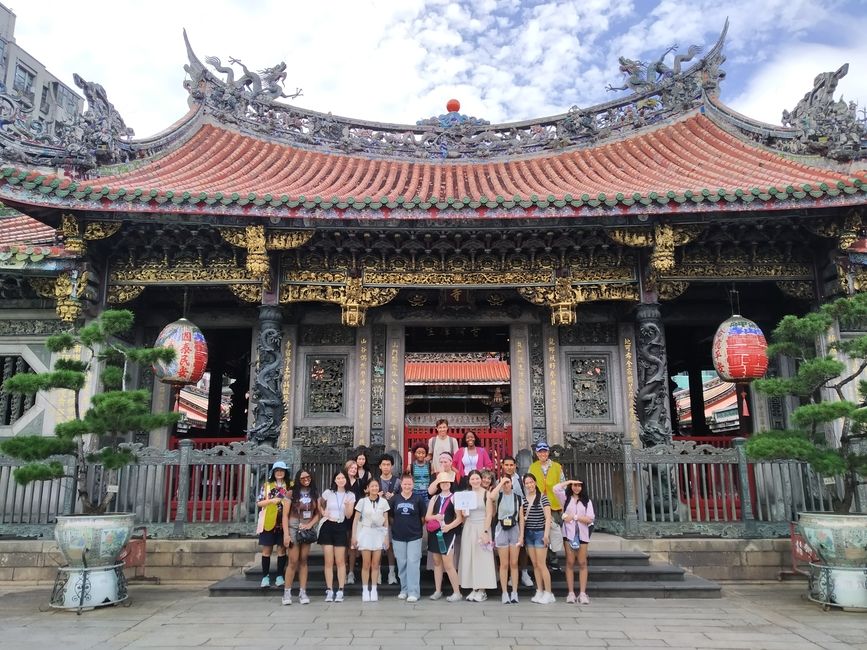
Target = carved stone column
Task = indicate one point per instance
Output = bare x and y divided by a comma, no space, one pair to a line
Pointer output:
651,398
267,387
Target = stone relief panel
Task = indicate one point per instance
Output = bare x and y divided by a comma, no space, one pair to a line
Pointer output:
325,335
589,378
589,334
377,385
537,382
325,385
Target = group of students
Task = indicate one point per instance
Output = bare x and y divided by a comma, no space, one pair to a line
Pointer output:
466,515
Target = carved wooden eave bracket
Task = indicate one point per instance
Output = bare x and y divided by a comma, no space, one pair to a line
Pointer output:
564,297
70,290
338,288
664,239
258,242
76,231
846,232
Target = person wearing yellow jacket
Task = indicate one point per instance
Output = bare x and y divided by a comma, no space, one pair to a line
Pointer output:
549,473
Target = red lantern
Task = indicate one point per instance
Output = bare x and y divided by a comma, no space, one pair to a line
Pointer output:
191,353
740,351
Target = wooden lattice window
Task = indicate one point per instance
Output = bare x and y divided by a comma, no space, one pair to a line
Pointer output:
12,406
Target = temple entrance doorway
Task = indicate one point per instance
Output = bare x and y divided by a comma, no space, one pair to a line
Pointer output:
462,374
214,410
703,406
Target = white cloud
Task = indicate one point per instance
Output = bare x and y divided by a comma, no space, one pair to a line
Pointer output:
400,60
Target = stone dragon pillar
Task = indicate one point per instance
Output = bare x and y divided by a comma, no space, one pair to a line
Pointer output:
267,394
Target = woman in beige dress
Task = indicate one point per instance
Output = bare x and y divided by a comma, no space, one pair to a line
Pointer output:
476,564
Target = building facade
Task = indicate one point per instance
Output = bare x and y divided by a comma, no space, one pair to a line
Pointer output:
555,279
43,103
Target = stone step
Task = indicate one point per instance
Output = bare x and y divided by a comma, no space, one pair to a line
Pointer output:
688,586
611,558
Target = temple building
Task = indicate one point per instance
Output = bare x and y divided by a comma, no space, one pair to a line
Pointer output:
559,278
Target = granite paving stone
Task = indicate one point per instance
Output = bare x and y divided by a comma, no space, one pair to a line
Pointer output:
753,616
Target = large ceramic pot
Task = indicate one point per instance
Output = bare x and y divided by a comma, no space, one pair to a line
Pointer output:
91,545
93,540
840,541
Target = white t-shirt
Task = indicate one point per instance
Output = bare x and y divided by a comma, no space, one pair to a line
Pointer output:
335,504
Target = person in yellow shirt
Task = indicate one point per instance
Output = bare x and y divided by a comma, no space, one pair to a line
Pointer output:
549,473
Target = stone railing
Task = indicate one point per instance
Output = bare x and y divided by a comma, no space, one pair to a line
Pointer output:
682,489
687,488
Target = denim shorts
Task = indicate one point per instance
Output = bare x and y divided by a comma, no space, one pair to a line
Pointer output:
534,538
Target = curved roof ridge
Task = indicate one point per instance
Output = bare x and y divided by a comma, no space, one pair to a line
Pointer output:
658,94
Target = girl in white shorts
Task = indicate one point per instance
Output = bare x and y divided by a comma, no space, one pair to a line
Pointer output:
370,536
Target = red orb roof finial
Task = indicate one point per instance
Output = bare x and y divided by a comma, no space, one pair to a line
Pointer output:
453,106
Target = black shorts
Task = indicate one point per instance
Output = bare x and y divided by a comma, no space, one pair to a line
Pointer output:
332,534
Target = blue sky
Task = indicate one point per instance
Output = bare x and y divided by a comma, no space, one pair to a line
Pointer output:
400,60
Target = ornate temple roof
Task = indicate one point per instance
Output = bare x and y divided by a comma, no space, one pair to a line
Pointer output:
668,146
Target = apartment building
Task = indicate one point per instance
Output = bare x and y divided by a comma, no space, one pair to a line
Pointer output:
46,99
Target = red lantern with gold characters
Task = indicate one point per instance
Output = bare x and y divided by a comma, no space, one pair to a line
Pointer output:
191,353
740,351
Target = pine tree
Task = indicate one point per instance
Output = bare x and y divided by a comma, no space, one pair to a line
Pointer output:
111,415
797,337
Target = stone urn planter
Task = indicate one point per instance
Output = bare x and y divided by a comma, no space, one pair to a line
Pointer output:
840,541
91,545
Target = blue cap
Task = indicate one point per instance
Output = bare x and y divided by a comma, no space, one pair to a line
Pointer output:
542,446
279,465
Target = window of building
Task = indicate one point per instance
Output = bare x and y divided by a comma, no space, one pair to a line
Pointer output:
23,82
66,99
43,102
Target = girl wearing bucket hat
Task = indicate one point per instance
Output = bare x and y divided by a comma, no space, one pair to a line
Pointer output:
273,497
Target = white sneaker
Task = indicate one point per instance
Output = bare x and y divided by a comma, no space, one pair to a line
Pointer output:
472,596
401,595
350,578
303,598
570,598
549,598
373,595
526,580
506,599
338,597
365,595
392,577
412,599
583,599
537,598
455,597
436,595
329,596
287,597
515,597
481,596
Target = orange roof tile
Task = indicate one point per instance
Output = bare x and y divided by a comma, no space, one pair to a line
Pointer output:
456,372
693,154
24,230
